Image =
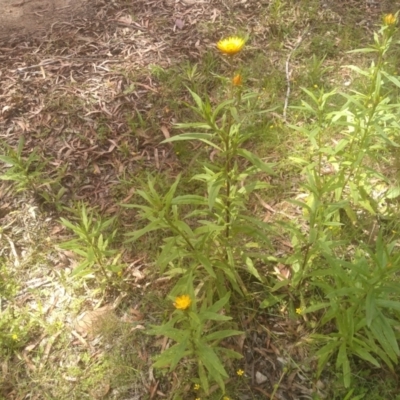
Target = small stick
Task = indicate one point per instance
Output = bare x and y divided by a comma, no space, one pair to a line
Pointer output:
288,72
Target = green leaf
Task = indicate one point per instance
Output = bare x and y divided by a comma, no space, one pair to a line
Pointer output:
169,331
212,364
257,162
7,160
390,304
270,301
324,354
206,264
213,192
364,354
229,353
203,378
385,336
393,192
253,271
189,199
202,137
220,107
343,360
84,268
133,236
316,307
172,356
221,334
207,315
21,144
370,307
220,303
170,194
391,78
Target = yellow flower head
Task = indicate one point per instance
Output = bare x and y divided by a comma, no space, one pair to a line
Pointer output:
389,19
237,80
299,311
183,302
231,45
196,386
15,337
240,372
226,398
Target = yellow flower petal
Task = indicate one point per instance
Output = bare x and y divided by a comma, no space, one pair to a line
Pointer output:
231,45
389,19
183,302
237,80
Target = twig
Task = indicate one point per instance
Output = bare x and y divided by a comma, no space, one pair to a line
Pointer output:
288,72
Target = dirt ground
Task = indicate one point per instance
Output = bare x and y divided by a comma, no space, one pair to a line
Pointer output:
35,16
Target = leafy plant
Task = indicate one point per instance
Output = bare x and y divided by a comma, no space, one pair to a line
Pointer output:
360,300
26,172
29,173
93,245
197,339
210,237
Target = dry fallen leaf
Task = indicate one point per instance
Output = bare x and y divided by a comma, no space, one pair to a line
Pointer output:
86,323
165,132
260,378
179,23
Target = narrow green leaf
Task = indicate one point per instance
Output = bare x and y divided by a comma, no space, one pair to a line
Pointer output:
252,269
370,307
211,360
257,162
133,236
220,303
207,315
7,160
203,378
189,199
390,304
202,137
221,334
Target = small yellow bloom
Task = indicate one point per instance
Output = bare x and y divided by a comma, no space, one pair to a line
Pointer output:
231,45
237,80
240,372
389,19
226,398
183,302
15,337
196,386
299,311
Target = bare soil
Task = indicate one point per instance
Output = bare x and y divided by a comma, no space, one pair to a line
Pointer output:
19,17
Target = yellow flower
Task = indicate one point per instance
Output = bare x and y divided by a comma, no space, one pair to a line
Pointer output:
240,372
183,302
237,80
196,386
389,19
231,45
15,337
299,311
225,398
